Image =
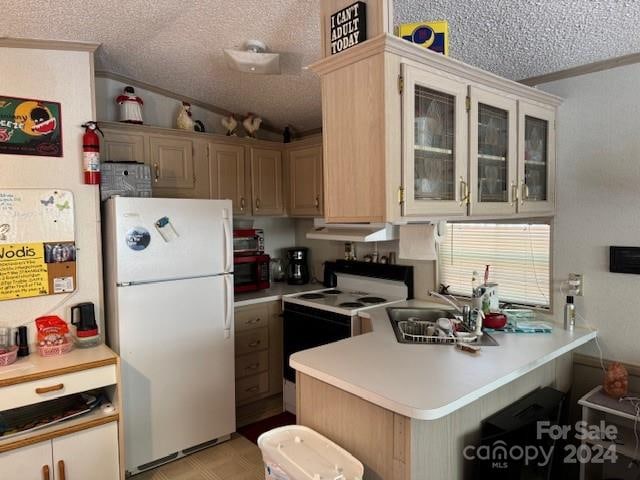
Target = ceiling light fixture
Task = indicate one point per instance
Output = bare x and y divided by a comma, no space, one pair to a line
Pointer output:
253,59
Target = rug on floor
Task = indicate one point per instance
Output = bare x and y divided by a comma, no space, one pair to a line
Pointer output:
252,431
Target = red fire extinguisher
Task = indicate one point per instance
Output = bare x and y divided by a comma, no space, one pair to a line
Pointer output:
91,153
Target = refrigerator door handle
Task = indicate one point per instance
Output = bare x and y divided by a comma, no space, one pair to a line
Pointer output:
228,305
228,244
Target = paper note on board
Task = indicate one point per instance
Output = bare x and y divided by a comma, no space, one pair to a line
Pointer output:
37,243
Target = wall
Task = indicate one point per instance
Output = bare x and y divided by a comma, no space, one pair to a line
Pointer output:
279,235
65,77
158,110
598,201
323,250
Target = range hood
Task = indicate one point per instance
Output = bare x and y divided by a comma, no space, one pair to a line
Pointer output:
352,232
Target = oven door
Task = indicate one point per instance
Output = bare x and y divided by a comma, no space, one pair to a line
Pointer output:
305,327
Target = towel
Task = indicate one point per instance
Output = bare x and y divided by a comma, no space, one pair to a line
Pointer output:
418,241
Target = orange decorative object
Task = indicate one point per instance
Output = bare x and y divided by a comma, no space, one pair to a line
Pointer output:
616,381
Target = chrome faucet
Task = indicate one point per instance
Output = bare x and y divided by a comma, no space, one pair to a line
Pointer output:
466,312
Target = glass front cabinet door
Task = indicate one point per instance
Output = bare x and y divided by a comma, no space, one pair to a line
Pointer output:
536,158
434,144
492,153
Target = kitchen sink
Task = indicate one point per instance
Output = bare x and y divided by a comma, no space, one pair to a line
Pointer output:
402,316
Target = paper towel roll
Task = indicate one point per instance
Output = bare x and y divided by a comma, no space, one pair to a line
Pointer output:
418,242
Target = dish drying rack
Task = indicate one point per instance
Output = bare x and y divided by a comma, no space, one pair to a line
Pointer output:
420,331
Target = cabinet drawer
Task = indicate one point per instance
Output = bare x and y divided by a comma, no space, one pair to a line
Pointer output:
252,317
36,391
252,341
251,387
252,363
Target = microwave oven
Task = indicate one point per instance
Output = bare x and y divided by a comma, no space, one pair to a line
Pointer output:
248,241
250,273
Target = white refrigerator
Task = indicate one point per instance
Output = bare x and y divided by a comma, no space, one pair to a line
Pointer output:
169,288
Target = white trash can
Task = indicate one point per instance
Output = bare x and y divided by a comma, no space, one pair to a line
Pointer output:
295,452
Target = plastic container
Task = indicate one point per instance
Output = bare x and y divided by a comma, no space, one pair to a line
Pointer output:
54,350
9,356
295,452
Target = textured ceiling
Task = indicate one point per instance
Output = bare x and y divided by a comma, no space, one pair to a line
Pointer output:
518,39
178,45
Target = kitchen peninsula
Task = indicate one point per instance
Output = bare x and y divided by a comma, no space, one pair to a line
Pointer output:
407,411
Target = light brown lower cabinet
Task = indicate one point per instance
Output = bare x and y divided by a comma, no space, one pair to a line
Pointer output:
258,364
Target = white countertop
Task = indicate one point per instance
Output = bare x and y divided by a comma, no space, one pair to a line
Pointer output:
427,382
275,292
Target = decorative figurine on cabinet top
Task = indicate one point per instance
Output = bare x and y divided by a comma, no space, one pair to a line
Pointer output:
184,120
130,106
230,124
251,124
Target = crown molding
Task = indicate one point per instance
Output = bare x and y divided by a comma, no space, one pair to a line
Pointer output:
43,44
386,43
594,67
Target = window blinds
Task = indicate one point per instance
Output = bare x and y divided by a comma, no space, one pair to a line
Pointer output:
519,255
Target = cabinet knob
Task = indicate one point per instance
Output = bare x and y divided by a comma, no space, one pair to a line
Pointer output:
253,366
156,169
257,204
61,471
514,194
254,320
52,388
45,472
317,202
253,389
254,344
464,192
525,192
242,204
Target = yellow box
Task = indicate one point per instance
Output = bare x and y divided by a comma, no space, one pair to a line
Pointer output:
433,35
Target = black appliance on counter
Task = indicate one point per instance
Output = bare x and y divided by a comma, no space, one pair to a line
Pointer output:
298,266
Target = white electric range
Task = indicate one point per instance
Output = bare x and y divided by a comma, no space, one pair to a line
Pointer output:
315,318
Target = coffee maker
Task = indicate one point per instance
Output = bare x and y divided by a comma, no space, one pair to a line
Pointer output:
298,268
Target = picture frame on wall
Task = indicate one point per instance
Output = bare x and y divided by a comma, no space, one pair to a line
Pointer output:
30,127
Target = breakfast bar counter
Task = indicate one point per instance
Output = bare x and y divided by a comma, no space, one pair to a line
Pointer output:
384,401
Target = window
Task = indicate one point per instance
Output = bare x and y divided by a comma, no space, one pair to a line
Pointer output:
519,255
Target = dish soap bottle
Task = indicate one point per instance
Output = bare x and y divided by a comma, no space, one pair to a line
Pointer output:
569,314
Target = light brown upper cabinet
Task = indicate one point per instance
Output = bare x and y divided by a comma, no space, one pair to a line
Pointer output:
434,144
228,174
493,155
171,162
536,158
266,181
412,135
305,181
123,147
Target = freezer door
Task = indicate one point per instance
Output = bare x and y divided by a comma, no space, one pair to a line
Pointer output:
168,238
176,348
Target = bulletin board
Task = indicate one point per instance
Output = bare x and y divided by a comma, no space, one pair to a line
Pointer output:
37,243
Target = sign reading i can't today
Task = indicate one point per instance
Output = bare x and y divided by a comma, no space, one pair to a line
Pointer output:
348,27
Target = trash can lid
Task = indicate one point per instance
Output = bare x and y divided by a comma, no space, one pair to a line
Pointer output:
305,454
